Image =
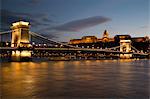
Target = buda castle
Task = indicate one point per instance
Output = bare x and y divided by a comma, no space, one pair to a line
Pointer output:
141,43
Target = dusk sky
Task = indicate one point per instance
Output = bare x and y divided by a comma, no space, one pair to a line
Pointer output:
63,20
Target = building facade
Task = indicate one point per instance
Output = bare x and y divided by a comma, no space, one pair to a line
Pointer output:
93,42
140,43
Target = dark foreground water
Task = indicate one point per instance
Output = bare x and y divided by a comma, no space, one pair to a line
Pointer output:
95,79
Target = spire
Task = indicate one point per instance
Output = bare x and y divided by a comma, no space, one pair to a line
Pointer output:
105,34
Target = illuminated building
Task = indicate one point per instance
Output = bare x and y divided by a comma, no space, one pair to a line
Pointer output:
106,37
92,41
75,41
89,39
140,39
140,43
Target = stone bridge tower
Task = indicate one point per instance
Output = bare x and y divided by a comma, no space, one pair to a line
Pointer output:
20,34
125,47
20,38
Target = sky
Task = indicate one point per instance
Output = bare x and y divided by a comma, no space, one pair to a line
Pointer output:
63,20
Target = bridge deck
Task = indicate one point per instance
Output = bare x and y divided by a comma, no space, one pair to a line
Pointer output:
73,49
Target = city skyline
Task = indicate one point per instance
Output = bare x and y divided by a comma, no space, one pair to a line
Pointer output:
68,19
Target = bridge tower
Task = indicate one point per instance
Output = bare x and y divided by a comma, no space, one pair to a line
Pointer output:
125,47
20,38
20,34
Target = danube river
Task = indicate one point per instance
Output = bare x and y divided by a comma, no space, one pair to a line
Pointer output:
87,79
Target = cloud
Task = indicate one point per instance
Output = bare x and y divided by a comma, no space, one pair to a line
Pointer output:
36,20
40,20
77,25
74,26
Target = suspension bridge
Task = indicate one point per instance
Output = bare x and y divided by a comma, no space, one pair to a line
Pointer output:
22,46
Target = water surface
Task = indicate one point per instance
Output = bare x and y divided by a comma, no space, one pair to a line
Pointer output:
76,79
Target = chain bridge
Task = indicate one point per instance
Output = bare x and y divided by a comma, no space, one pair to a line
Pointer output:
23,45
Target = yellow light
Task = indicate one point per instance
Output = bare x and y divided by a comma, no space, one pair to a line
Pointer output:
20,23
24,23
13,53
125,41
17,53
22,53
25,53
77,63
30,45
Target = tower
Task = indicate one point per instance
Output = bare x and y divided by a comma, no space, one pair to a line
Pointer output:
20,38
20,34
125,46
105,36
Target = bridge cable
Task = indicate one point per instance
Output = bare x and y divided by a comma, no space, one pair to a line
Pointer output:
36,34
135,49
5,32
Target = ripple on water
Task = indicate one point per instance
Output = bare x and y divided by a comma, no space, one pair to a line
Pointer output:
74,79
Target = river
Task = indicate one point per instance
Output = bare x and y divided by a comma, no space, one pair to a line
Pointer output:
87,79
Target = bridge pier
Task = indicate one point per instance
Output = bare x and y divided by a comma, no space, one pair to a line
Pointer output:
125,56
18,55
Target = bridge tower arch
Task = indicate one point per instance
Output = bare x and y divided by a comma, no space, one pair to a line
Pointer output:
20,34
20,39
125,47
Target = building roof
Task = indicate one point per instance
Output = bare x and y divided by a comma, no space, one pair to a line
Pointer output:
139,39
123,35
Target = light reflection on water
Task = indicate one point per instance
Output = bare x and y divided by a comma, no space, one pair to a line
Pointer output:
74,79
